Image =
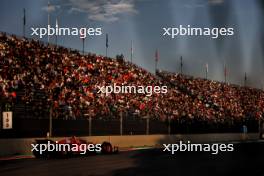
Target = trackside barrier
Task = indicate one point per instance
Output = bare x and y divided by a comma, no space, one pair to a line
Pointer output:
23,145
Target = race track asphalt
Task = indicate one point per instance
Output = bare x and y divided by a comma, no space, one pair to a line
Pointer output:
247,159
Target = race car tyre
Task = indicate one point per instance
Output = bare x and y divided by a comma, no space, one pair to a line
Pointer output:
106,148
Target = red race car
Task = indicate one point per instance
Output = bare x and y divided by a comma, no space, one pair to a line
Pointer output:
47,148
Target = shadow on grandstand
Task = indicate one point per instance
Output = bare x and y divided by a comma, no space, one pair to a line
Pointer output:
247,159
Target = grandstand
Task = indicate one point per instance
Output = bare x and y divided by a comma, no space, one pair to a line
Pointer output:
36,79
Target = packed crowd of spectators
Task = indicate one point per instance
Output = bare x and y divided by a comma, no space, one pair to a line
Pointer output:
214,100
70,81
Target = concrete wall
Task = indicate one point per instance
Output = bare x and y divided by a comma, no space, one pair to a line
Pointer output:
23,145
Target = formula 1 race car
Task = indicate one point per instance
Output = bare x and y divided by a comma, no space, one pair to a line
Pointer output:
47,148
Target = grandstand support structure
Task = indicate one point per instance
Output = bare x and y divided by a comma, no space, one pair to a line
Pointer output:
50,122
121,123
261,128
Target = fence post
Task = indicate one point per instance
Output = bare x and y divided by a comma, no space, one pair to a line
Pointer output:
90,125
121,123
261,127
169,126
1,119
147,125
50,121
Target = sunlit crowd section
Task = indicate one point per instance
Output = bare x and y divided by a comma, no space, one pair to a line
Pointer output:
44,78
